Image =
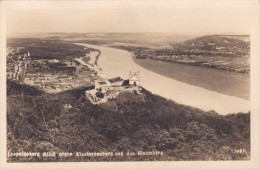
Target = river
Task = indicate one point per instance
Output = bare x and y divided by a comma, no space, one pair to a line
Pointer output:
117,62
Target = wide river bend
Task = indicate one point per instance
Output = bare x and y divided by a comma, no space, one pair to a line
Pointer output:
117,62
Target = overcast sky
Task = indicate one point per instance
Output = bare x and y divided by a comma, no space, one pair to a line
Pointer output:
133,17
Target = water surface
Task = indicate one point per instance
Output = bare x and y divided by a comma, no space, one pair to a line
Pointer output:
229,83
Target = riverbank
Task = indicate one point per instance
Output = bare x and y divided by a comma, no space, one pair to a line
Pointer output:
239,65
228,83
206,64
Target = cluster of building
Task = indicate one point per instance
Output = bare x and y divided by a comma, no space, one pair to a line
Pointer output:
219,50
63,76
51,75
108,89
56,83
219,47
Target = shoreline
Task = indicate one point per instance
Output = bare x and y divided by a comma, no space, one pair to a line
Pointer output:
94,66
225,82
208,66
197,64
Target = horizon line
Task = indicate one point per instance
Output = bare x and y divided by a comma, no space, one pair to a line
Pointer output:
173,33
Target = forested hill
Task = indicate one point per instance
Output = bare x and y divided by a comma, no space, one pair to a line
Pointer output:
130,122
215,45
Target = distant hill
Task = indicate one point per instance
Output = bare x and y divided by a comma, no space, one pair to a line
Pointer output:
228,45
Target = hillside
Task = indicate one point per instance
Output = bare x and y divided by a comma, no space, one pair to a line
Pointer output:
129,123
224,52
213,45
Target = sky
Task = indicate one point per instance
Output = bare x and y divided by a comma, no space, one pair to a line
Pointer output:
100,17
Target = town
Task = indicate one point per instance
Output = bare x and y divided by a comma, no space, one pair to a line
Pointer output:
53,76
107,89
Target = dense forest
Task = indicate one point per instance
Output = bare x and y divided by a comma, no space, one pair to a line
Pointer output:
40,122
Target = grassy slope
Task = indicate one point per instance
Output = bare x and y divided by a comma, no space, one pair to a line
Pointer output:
130,122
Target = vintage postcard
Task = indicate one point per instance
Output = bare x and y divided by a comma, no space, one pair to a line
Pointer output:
154,82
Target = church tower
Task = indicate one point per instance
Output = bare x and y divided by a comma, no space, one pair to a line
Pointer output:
134,78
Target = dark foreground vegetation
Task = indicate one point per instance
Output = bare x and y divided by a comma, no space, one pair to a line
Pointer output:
39,122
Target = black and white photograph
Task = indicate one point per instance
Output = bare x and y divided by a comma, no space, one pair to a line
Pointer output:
132,81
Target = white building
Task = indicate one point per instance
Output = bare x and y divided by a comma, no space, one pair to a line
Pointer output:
134,78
